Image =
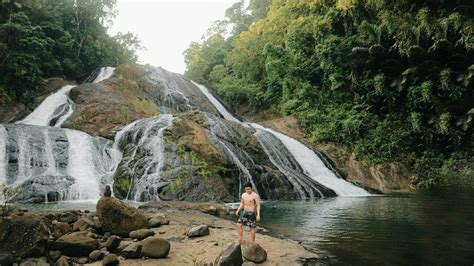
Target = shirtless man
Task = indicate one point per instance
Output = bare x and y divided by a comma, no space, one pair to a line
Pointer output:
250,203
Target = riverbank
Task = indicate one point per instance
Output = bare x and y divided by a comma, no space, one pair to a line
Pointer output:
184,250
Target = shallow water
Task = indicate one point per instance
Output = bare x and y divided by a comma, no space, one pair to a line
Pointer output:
426,228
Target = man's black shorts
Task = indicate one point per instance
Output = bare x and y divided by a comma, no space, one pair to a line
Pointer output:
248,218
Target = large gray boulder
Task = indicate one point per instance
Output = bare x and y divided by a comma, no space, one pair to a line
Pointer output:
231,256
119,218
253,252
155,247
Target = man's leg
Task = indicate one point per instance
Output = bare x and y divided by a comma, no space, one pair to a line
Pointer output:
252,234
240,232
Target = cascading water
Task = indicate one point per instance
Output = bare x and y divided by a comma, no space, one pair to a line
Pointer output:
50,111
308,163
56,164
222,110
314,167
104,73
57,107
219,133
145,163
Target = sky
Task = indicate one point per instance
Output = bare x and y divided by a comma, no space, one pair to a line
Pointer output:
167,27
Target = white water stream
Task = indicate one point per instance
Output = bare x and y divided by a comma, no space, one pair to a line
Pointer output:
3,155
306,158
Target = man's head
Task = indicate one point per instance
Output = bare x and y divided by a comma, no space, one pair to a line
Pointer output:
248,187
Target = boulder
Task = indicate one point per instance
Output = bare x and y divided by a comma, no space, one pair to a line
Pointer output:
158,221
132,251
63,261
201,230
23,236
112,243
82,261
155,247
76,244
230,256
82,224
253,252
119,218
53,256
97,255
141,233
68,217
123,245
111,259
58,229
34,262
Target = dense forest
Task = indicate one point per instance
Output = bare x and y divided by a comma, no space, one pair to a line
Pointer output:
56,38
390,80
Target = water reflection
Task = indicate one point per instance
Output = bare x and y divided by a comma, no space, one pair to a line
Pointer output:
426,228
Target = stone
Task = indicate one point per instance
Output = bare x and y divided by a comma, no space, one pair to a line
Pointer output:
63,261
76,244
83,260
248,263
34,262
253,252
82,224
141,233
155,247
53,256
23,236
68,217
230,256
97,255
201,230
112,243
158,221
59,229
132,251
107,192
123,245
119,218
110,259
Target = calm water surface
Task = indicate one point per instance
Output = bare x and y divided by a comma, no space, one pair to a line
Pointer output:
426,228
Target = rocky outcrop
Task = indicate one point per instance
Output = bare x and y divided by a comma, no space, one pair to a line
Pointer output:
201,158
133,93
119,218
386,178
23,236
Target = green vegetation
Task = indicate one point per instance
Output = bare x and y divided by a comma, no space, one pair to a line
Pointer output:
391,80
60,38
7,193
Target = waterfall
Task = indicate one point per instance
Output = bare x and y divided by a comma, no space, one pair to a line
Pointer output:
313,167
172,94
58,107
222,110
145,138
51,109
104,73
308,164
219,133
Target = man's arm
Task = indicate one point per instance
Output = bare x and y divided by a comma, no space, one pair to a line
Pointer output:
240,207
257,202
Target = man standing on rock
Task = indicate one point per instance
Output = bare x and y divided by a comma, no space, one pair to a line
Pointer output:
250,203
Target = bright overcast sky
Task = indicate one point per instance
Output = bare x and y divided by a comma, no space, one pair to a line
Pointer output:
166,27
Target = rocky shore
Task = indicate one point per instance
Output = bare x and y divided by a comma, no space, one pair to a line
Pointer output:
157,233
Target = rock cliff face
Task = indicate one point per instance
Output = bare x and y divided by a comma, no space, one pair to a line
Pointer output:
194,161
386,178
